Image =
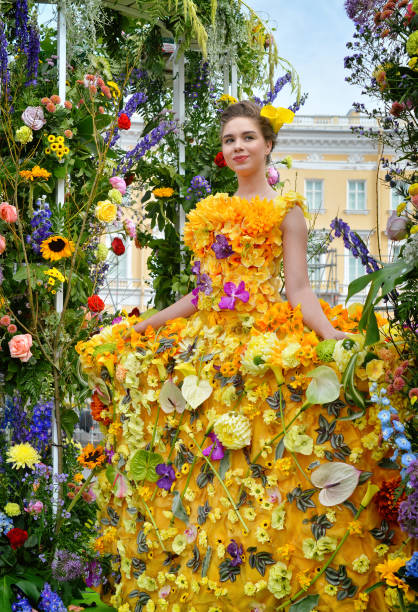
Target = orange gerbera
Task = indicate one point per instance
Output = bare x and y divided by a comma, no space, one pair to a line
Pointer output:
36,173
389,567
91,457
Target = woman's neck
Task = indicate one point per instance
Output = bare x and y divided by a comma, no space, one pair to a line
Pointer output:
254,185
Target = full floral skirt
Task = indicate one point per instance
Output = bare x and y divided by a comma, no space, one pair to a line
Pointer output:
194,524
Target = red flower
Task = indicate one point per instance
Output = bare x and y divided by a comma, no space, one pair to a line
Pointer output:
129,178
220,160
95,303
117,246
124,123
386,502
17,537
134,312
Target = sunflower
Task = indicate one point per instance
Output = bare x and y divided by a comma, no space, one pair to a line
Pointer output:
91,457
57,247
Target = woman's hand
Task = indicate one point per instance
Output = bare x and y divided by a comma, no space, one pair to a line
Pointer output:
334,334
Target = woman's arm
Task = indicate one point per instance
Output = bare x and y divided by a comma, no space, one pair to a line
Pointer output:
297,285
182,308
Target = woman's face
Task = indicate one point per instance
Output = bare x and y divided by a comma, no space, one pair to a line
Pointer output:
243,146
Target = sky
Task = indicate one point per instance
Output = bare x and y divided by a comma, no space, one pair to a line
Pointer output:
312,34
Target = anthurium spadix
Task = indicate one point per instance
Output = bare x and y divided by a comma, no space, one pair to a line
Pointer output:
171,398
336,480
195,391
324,386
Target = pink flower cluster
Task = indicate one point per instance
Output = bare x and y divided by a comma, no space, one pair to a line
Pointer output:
397,379
6,322
93,83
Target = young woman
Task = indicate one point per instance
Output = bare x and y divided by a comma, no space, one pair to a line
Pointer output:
213,500
247,141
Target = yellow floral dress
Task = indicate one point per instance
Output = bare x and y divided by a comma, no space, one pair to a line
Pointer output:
211,499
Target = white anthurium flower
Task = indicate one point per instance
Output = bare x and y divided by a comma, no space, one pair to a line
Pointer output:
171,398
195,391
336,480
324,386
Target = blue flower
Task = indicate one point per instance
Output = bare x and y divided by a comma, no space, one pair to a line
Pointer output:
407,459
387,432
384,416
411,566
403,443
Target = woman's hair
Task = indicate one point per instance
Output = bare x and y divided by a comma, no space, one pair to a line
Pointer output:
250,109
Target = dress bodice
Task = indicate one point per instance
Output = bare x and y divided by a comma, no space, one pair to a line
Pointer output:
237,246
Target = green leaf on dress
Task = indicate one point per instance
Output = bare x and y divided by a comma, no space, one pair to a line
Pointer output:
206,561
306,604
178,508
225,464
143,464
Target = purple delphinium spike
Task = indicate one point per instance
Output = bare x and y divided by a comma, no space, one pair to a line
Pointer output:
144,145
233,293
353,243
21,20
221,247
34,47
4,59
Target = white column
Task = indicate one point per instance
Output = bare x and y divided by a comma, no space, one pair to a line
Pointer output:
234,80
226,76
62,70
179,109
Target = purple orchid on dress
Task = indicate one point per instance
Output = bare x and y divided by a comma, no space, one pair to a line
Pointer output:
221,247
166,471
196,268
216,450
233,293
204,284
236,551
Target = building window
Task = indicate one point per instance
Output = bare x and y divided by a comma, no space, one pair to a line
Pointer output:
396,198
356,196
314,194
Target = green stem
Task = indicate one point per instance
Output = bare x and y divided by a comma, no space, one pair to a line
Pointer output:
155,429
153,524
189,475
76,498
291,452
228,494
401,601
327,564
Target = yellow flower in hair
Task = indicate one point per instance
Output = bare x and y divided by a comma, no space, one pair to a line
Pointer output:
277,116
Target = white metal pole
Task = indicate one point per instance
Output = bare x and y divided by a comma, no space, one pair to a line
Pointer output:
60,195
234,80
226,76
179,109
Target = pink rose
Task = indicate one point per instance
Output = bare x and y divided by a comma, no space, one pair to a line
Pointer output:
12,329
2,244
35,507
273,176
19,347
118,183
8,212
414,200
33,117
5,320
396,228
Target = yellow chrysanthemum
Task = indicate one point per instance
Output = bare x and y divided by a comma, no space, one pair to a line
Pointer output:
233,430
163,192
23,455
12,509
55,248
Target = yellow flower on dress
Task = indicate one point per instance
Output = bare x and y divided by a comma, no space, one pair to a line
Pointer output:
233,430
297,441
389,567
257,356
23,455
279,580
277,116
375,369
361,565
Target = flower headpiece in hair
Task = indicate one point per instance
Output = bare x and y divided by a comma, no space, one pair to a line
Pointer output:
277,116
